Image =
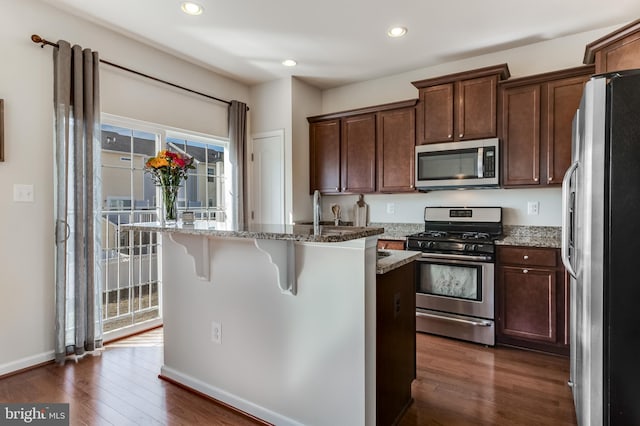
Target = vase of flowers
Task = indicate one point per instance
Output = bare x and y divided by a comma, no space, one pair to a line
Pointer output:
168,169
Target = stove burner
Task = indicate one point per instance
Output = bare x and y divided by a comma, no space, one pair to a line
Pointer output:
475,236
434,234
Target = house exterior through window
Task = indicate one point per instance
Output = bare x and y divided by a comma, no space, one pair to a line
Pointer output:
132,281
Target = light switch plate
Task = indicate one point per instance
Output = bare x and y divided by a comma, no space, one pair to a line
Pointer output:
23,193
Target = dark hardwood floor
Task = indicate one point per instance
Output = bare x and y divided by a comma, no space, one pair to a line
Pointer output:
458,384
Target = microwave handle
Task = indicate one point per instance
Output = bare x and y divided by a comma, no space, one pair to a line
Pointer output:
481,162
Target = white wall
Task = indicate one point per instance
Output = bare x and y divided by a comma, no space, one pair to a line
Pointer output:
307,101
26,229
540,57
285,104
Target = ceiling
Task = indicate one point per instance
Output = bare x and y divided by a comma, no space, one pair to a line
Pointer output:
337,42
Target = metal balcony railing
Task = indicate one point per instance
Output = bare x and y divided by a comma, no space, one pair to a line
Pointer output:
131,288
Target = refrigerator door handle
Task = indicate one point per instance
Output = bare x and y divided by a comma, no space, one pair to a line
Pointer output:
566,211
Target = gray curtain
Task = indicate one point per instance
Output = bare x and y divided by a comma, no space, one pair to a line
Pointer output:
78,319
237,158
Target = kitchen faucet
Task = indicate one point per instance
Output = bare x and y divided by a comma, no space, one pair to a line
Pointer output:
316,212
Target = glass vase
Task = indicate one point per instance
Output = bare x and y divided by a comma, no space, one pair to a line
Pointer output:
169,205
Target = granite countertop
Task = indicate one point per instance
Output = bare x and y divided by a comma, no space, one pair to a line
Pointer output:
398,231
531,236
395,259
514,235
328,234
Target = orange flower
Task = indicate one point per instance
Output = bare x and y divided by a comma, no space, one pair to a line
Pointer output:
157,162
168,168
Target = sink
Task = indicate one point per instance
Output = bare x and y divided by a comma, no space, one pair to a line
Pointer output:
326,223
383,254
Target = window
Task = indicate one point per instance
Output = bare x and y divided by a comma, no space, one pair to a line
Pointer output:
131,275
204,190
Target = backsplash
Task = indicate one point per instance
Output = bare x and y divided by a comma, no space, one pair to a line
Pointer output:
409,208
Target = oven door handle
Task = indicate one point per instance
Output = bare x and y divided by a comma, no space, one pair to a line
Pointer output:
427,256
478,323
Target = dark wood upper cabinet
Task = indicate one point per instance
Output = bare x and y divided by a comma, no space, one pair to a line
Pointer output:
616,51
521,135
562,101
461,106
359,154
396,141
363,150
436,114
536,116
324,151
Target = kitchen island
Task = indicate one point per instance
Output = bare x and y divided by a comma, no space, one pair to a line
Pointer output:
275,321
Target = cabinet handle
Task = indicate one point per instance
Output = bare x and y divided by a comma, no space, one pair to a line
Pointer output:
525,257
535,179
449,135
550,178
337,189
461,134
525,271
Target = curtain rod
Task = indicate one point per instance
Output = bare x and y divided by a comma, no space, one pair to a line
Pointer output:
37,39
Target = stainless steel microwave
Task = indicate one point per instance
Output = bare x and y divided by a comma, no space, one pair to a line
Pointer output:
466,164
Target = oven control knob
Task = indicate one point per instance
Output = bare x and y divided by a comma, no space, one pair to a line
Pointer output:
430,244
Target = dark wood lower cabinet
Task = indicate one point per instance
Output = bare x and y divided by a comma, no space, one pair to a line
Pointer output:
532,296
395,342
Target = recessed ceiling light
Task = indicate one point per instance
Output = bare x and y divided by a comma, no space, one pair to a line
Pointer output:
289,63
191,8
396,31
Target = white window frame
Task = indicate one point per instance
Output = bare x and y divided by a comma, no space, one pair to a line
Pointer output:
174,132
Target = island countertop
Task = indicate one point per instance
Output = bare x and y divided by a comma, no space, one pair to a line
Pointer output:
388,260
328,234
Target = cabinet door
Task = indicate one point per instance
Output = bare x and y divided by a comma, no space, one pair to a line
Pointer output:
476,108
521,135
436,114
624,54
359,154
562,101
396,145
324,137
527,304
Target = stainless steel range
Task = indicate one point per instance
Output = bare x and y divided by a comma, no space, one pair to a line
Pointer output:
455,279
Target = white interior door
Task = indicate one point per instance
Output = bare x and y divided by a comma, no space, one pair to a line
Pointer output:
267,185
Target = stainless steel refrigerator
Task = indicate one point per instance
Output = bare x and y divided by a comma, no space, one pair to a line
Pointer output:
601,251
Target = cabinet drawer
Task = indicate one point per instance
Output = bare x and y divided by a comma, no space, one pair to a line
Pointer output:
391,244
527,256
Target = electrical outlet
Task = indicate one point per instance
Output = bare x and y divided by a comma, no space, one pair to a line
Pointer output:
533,207
23,193
396,305
391,208
216,332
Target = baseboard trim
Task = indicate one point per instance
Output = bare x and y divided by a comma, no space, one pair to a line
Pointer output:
28,363
225,398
